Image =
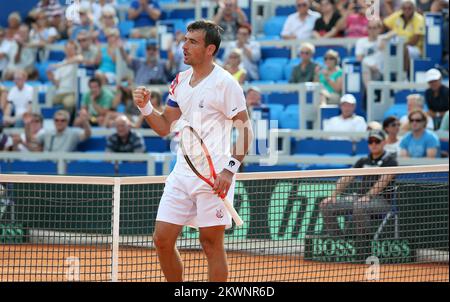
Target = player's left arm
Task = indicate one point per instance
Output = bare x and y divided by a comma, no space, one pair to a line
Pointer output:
241,122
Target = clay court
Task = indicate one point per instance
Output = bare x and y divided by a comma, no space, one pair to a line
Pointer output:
53,263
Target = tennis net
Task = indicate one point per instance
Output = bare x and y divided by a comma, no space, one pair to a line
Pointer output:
58,228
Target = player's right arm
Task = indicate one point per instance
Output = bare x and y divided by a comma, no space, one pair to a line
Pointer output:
161,123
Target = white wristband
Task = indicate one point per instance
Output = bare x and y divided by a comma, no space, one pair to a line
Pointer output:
233,165
147,110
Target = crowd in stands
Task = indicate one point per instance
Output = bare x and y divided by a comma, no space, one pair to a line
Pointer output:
93,40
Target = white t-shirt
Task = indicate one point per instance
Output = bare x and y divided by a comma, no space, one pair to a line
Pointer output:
5,49
301,29
20,99
371,52
209,108
354,124
66,75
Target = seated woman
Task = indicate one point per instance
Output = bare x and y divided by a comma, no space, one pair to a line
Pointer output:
325,26
331,78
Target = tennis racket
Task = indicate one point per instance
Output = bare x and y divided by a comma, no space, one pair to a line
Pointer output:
198,158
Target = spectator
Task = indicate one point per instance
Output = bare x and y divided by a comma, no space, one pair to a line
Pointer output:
251,51
354,24
389,7
410,25
95,104
14,22
144,13
22,57
156,100
42,34
347,121
424,6
86,23
419,142
89,51
20,99
152,70
6,141
123,104
230,17
307,70
51,8
368,51
373,193
342,6
414,102
391,126
325,26
125,139
234,67
300,25
5,49
253,97
106,71
374,125
64,76
108,20
175,54
331,78
444,124
97,8
436,96
63,138
26,142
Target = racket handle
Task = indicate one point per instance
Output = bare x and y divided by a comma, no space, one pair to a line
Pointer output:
237,219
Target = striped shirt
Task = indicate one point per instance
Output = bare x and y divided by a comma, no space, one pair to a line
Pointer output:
135,143
53,8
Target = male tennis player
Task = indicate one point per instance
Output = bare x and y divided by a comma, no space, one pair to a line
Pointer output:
212,102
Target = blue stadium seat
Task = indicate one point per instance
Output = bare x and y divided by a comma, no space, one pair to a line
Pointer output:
94,143
290,66
274,25
90,167
125,28
174,25
397,110
271,71
29,167
48,112
283,98
285,10
291,119
275,52
181,14
42,69
132,169
56,55
156,144
276,111
362,147
322,146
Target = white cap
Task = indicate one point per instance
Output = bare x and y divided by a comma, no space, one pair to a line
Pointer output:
348,98
432,75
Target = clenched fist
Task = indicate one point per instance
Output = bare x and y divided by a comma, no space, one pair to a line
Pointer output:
141,96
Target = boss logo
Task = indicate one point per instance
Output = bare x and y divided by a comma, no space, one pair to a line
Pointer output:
231,163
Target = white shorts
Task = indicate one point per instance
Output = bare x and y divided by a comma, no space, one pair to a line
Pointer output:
188,200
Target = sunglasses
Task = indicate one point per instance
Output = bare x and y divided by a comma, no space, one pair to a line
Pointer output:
394,125
302,5
374,141
412,120
305,53
58,120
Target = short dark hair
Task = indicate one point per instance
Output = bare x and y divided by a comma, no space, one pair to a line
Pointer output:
389,120
95,80
212,32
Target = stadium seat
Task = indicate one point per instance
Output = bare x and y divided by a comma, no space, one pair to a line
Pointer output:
182,13
285,10
48,112
156,144
174,25
125,28
322,146
56,55
275,52
42,68
361,147
90,167
276,111
283,98
397,110
274,25
94,143
132,169
29,167
270,71
291,119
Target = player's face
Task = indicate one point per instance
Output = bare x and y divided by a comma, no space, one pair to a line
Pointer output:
194,49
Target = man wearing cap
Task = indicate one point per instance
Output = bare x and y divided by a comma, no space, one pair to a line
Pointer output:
152,70
347,121
436,96
373,192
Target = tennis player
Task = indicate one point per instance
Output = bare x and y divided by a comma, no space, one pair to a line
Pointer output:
207,98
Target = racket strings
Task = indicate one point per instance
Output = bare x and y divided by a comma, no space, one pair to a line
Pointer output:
194,151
